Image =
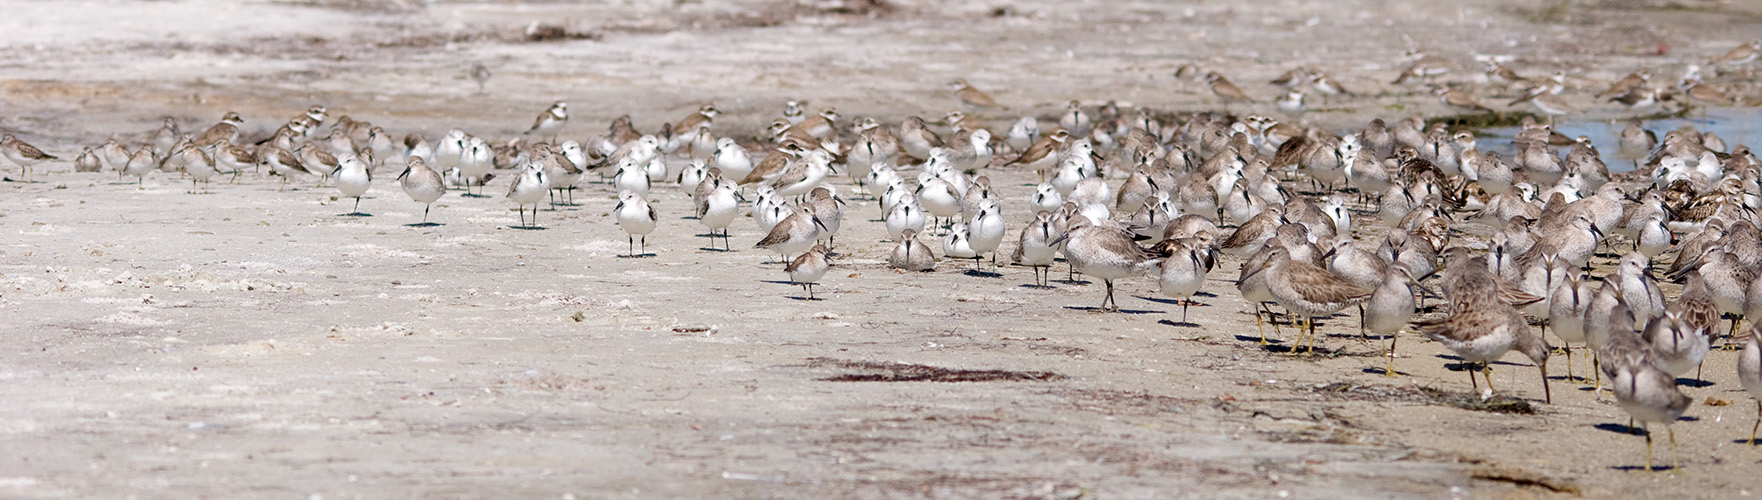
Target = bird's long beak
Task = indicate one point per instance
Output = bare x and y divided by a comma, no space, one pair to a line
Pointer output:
1547,391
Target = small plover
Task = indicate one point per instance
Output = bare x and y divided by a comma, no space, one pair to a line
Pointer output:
809,267
353,178
971,97
423,184
1037,246
1644,391
986,230
551,121
227,130
1750,374
23,154
904,215
794,234
529,188
911,254
1183,270
1104,249
718,211
637,218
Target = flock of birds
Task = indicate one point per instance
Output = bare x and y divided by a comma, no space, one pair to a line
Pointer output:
1196,186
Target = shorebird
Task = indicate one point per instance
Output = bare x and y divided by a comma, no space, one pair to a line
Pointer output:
423,184
986,229
1308,291
479,74
1548,104
1677,345
1645,392
1750,374
1183,271
1460,100
911,254
794,234
904,215
1022,134
1627,84
1638,290
475,161
1741,54
1424,67
958,244
529,188
1389,309
636,217
718,211
139,165
353,178
971,97
1036,248
1105,250
1226,91
23,154
1327,86
1074,120
227,130
1481,327
1043,154
87,161
1567,305
809,267
1292,103
551,121
1292,79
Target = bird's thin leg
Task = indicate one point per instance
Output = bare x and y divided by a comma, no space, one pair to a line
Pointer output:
1758,422
1389,371
1262,326
1311,322
1568,349
1674,462
1648,449
1488,367
1476,384
1362,323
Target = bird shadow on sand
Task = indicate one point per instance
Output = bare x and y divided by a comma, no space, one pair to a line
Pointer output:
529,228
1619,428
355,214
1462,364
1696,383
1379,371
1037,286
637,256
1642,468
1256,339
714,249
982,274
424,224
1178,324
1122,311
